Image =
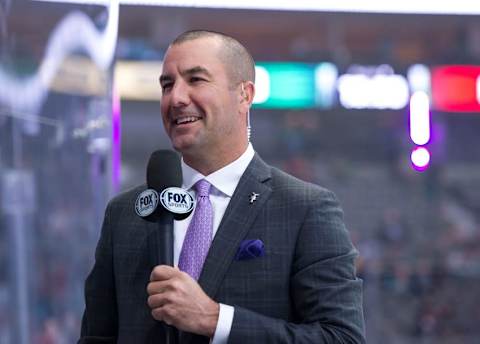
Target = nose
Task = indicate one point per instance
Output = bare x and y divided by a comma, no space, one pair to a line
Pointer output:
179,94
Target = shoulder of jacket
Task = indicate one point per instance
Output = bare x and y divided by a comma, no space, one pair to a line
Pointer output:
127,197
285,182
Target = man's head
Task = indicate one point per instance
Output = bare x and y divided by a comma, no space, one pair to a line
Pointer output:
237,59
207,83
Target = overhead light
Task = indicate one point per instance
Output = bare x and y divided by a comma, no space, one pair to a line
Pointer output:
262,85
455,88
461,7
419,77
373,87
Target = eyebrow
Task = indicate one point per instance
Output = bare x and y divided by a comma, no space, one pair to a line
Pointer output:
190,71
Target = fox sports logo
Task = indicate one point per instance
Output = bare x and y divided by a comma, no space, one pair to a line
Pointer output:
146,203
177,200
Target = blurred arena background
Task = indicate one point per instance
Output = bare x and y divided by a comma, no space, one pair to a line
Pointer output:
382,108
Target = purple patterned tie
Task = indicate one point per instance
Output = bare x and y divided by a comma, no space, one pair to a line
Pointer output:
199,233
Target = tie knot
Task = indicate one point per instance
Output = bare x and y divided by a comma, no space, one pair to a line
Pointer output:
203,188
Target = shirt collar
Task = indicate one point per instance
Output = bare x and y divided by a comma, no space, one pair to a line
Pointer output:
225,179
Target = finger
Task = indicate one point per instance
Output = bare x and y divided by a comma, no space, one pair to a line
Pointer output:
164,299
158,287
163,272
156,301
157,313
162,314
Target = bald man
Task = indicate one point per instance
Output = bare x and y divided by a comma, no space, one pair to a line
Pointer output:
278,265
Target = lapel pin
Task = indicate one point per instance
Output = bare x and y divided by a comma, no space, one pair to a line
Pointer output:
253,197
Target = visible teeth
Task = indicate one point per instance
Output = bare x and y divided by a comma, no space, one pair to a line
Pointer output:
186,120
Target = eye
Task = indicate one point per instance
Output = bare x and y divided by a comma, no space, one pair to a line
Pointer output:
195,79
166,86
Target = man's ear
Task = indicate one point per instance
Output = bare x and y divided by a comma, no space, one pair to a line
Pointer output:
247,92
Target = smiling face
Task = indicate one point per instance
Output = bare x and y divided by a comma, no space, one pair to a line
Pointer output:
203,111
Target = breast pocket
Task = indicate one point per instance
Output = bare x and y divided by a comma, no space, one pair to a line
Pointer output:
260,284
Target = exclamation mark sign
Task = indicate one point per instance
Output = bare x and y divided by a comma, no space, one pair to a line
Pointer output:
420,129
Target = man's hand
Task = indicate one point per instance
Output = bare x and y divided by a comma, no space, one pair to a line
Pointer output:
178,300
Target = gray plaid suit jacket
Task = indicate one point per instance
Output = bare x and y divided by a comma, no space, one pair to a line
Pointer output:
303,290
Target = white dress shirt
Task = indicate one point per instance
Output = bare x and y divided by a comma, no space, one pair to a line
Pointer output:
224,182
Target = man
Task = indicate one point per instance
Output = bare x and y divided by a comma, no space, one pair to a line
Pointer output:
280,265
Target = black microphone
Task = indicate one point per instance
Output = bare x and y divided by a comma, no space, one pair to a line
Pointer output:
164,171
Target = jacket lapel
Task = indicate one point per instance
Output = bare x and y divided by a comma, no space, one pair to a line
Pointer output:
235,224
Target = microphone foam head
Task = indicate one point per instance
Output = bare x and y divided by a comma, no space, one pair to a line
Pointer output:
164,170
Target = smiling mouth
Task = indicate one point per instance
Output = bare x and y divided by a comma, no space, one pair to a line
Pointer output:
186,120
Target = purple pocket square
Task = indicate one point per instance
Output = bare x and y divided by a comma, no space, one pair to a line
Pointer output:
250,249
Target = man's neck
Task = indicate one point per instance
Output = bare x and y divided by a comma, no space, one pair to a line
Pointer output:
208,164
